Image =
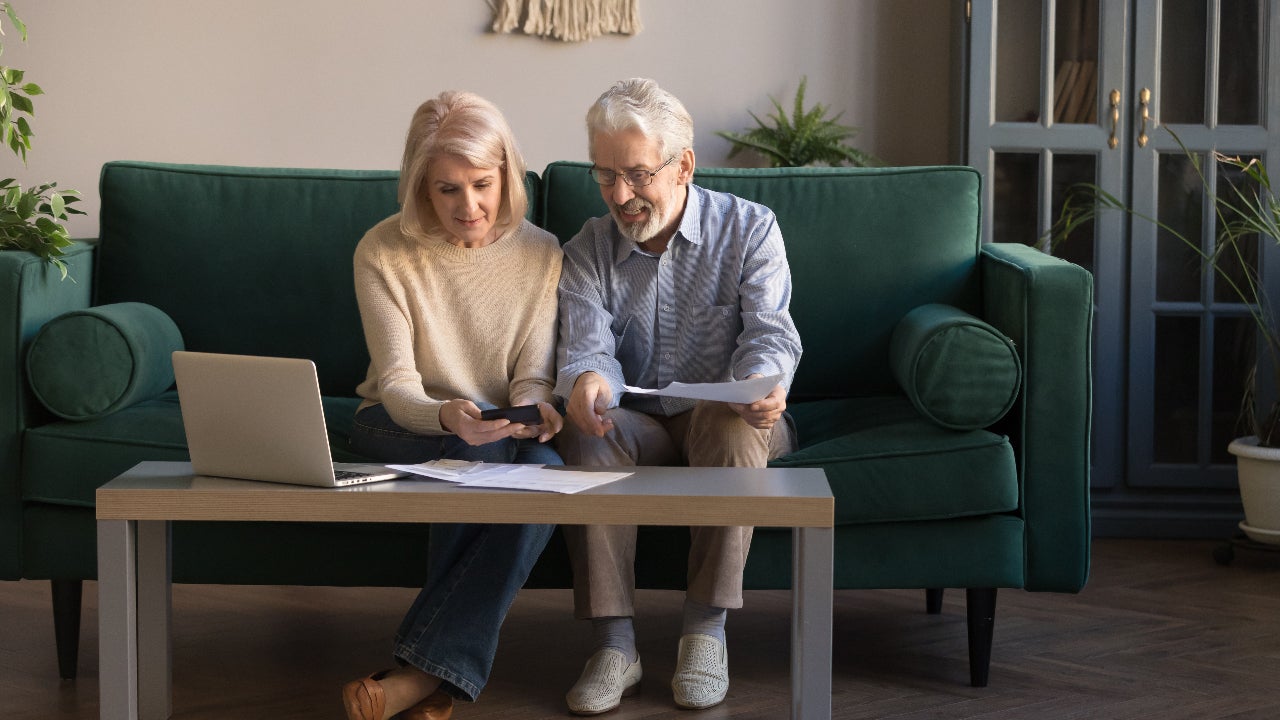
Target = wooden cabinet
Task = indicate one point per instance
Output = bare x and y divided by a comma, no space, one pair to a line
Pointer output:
1068,91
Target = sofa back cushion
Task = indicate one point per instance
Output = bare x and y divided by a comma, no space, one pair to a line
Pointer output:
866,245
255,261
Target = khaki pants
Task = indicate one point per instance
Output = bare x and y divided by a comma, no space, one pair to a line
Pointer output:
710,435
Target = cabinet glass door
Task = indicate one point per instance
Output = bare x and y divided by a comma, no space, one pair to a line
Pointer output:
1046,85
1201,73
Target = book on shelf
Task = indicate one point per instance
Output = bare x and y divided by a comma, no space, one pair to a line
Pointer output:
1062,83
1089,108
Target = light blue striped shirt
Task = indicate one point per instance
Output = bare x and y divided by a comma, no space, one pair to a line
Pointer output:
712,308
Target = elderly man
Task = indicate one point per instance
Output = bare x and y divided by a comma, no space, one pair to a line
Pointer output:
677,283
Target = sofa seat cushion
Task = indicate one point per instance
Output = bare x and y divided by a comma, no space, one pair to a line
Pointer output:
887,463
65,462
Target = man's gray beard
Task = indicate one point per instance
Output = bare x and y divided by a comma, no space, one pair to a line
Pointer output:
638,232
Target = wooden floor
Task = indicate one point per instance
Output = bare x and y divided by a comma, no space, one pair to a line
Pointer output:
1160,632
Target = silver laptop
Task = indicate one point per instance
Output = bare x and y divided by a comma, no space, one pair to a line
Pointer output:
260,418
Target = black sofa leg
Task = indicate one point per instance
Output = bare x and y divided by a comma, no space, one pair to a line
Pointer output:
981,604
66,624
933,601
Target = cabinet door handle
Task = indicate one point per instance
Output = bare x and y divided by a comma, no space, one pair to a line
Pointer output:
1144,102
1113,141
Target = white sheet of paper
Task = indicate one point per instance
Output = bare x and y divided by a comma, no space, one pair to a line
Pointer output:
511,476
535,477
454,470
738,391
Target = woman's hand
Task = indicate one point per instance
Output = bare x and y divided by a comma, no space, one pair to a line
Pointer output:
552,423
462,418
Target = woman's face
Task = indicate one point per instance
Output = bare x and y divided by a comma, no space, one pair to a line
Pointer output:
466,199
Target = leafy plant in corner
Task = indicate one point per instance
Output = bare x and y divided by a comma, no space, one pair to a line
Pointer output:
807,137
29,219
1245,209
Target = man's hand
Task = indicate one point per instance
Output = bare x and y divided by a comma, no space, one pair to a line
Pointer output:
763,413
462,418
588,403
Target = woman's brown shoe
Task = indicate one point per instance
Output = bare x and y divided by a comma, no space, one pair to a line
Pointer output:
436,706
364,699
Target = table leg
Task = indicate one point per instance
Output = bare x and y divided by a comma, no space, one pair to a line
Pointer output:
117,620
134,616
812,576
154,618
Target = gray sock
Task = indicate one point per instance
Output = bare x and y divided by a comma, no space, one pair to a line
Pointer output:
704,620
615,632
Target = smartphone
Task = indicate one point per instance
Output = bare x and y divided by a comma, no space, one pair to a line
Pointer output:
524,414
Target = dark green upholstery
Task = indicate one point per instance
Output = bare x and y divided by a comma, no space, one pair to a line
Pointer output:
886,463
258,261
91,363
31,295
958,371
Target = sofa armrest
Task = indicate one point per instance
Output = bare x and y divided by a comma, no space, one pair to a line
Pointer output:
31,293
1045,305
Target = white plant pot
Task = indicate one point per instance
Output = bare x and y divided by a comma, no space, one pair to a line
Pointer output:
1258,469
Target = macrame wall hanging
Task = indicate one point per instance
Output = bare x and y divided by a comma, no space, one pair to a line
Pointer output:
567,20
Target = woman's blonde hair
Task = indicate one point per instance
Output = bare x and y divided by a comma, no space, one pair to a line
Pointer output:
464,124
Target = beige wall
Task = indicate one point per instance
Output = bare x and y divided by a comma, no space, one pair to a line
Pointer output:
323,83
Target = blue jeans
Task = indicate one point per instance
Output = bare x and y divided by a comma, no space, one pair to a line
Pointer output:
473,570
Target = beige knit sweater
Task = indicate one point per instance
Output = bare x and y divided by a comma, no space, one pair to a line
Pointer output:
444,322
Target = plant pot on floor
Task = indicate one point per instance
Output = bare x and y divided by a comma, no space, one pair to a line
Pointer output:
1258,470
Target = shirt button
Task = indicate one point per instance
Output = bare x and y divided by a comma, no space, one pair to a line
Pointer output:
666,356
666,308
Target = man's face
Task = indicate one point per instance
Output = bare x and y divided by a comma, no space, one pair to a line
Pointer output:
648,212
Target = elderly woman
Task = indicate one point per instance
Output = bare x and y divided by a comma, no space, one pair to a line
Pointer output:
457,295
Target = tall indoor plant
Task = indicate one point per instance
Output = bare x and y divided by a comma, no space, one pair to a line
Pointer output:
1246,210
30,219
807,137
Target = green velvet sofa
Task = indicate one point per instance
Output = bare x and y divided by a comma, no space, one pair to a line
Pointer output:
945,384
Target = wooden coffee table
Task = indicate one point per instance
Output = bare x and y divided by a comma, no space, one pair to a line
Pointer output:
134,563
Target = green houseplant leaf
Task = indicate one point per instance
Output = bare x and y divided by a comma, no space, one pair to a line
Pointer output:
30,220
805,137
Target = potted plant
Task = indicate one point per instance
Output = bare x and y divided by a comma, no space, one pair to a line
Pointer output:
1245,209
808,137
30,219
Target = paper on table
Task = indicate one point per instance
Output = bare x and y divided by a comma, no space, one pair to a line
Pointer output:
451,470
510,476
738,391
531,477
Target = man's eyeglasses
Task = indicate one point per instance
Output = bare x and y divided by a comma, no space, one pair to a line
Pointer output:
634,178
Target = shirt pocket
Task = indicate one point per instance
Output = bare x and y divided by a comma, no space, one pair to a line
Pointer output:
716,326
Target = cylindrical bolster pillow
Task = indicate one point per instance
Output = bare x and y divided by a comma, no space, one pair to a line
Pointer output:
959,372
90,363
